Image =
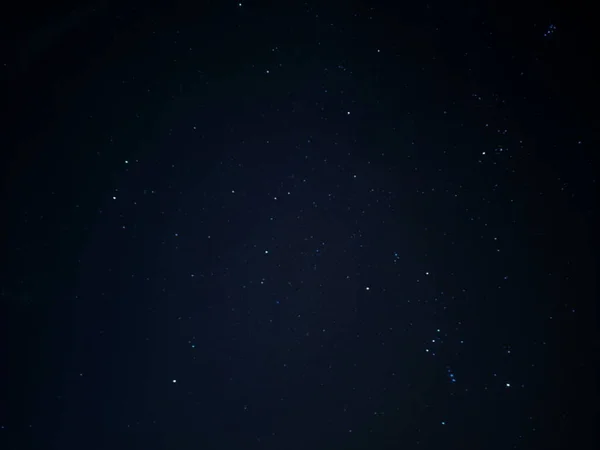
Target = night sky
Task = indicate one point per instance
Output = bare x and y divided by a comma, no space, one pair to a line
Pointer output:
299,225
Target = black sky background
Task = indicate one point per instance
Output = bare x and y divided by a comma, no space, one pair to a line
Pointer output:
185,197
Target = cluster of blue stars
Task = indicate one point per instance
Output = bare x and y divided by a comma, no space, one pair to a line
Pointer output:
450,374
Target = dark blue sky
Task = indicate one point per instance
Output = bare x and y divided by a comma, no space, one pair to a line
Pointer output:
298,225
